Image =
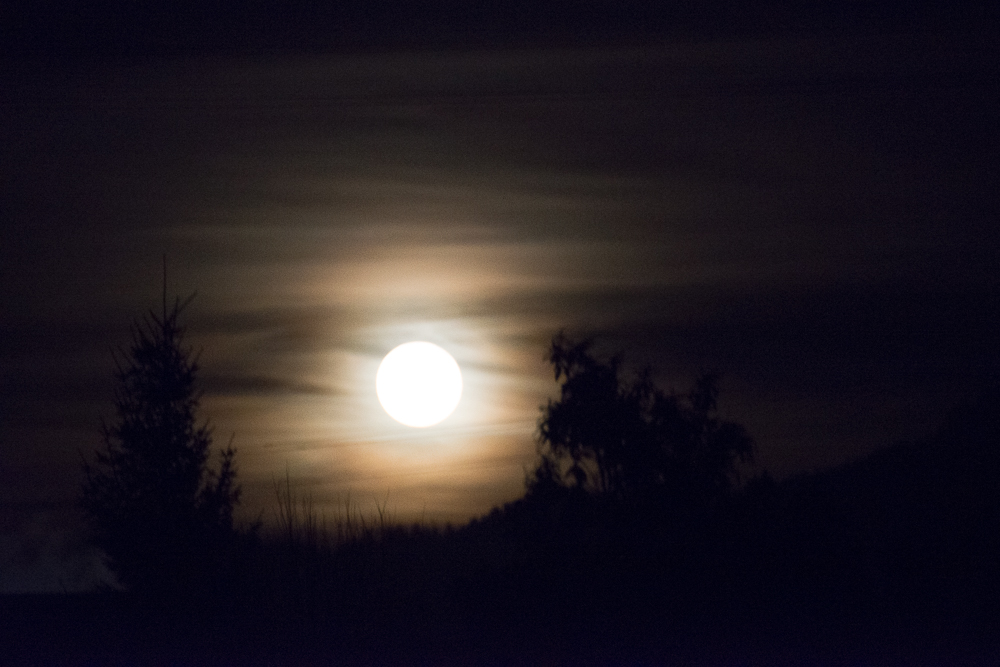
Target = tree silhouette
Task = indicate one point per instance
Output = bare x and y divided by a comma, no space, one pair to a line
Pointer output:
163,518
629,440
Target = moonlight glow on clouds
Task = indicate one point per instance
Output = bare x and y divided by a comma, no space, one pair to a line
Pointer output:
705,205
359,218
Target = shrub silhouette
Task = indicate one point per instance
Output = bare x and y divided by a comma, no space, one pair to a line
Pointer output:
163,518
630,493
629,440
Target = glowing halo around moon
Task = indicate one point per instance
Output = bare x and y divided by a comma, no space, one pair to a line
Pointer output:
418,384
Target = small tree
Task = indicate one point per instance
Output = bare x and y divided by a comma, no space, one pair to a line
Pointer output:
163,518
630,441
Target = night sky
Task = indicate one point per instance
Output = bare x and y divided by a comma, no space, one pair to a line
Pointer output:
805,203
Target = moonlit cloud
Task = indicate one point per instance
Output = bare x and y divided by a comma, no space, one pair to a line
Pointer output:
805,214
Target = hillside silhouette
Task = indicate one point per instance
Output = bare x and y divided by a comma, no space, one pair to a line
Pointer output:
657,554
910,533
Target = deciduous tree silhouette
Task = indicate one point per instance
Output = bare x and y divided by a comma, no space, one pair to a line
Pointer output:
629,440
162,516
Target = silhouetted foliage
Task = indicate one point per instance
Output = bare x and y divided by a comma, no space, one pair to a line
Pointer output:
628,440
162,516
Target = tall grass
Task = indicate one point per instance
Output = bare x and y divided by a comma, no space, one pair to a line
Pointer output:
311,562
301,527
371,571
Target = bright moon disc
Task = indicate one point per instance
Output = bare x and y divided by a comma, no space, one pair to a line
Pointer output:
418,384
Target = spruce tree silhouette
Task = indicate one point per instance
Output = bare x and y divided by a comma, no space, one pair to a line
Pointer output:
161,515
629,440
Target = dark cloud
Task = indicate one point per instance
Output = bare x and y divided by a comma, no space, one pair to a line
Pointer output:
256,385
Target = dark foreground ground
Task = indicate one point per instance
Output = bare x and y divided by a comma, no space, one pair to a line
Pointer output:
109,630
892,560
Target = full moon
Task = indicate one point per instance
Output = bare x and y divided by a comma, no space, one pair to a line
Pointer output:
418,384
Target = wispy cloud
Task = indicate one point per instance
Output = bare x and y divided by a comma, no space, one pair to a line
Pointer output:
810,215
